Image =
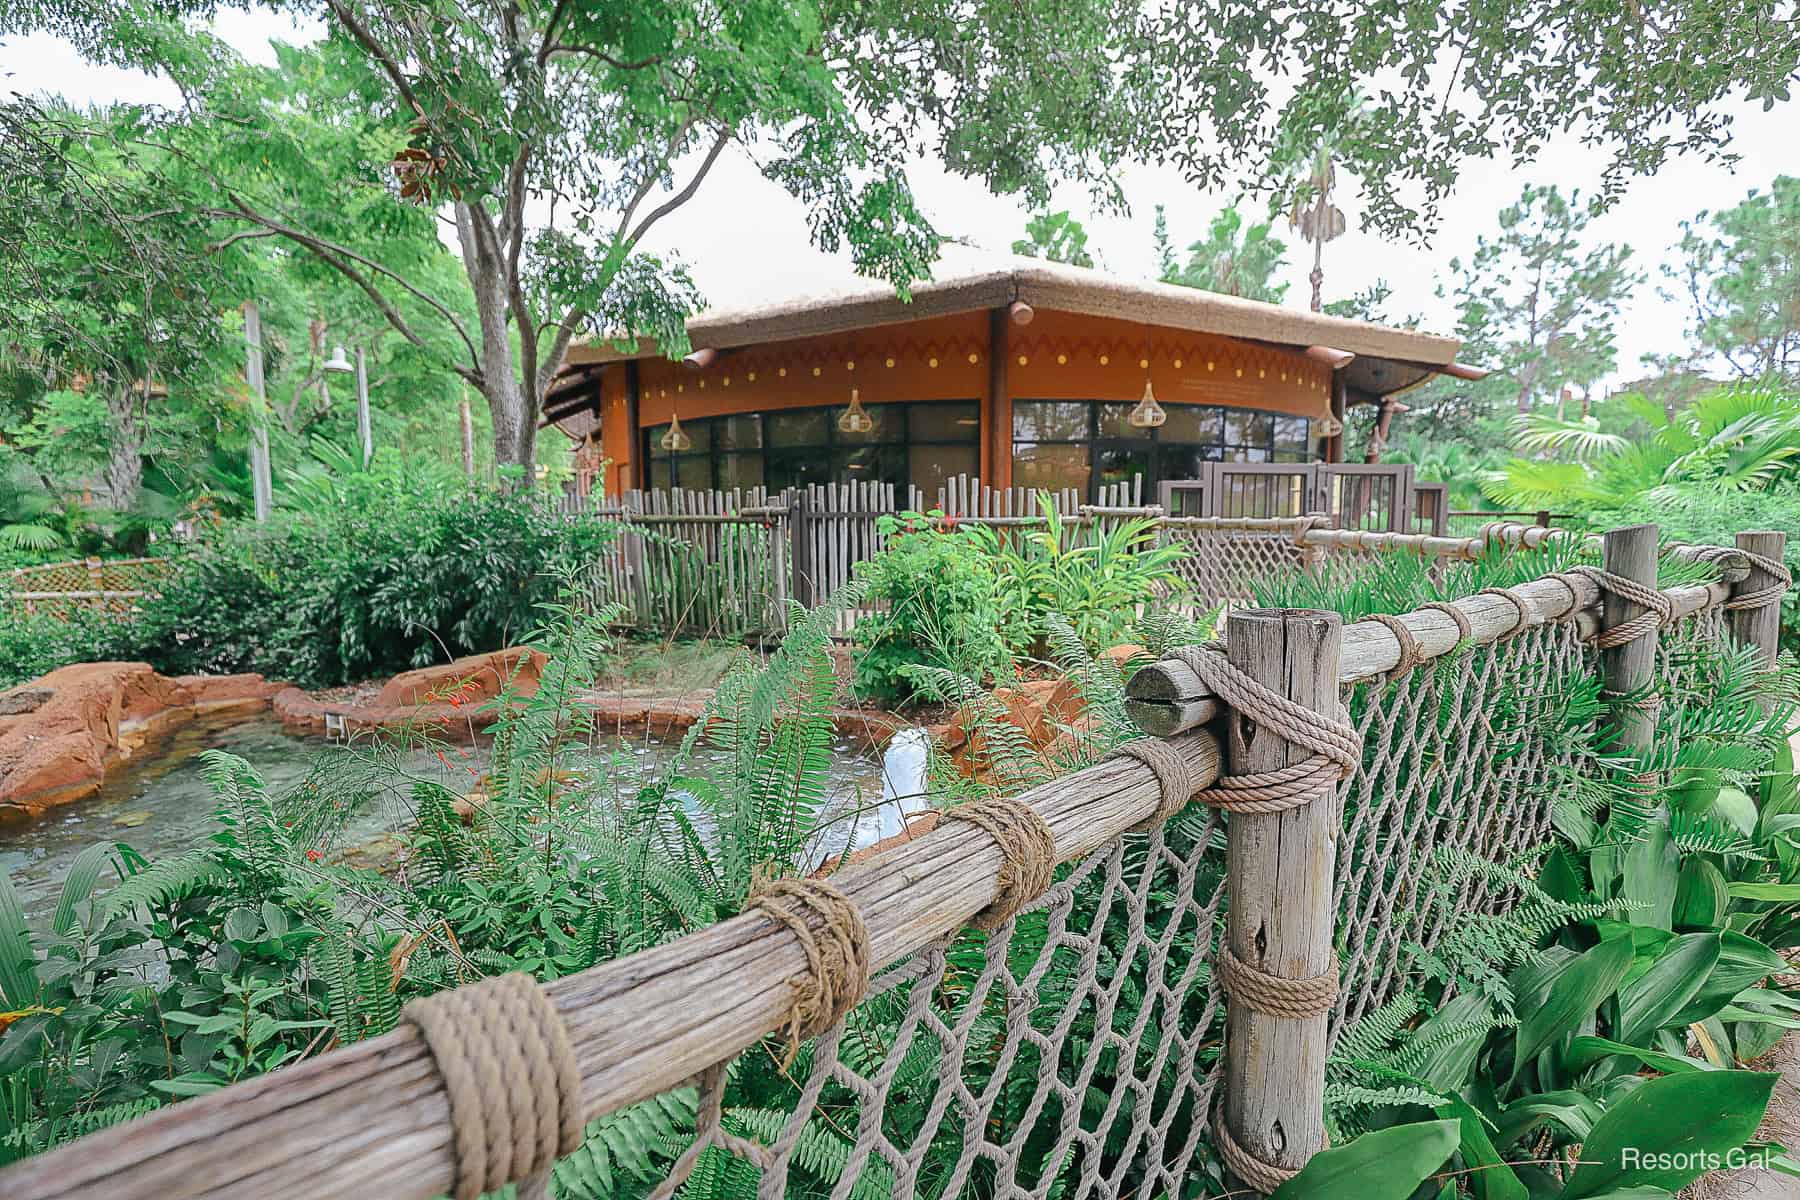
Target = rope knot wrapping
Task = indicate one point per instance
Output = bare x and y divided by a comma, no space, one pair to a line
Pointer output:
1410,653
1465,632
511,1078
1522,610
831,932
1771,594
1335,744
1659,610
1028,854
1175,785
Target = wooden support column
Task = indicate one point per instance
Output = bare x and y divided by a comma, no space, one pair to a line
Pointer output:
631,474
1280,868
1624,670
1760,626
996,417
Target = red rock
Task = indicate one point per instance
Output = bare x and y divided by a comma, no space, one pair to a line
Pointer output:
59,749
299,712
618,711
208,690
471,680
1123,653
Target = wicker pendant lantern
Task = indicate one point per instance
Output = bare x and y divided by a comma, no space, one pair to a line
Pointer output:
675,441
1148,414
855,419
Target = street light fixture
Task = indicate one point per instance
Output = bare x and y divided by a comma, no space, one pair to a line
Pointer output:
338,364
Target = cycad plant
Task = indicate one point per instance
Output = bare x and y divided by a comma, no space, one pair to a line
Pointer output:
1740,438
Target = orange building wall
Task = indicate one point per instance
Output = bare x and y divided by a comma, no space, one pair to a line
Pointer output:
1058,356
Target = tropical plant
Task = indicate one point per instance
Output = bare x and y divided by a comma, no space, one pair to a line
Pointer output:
1096,577
1233,258
937,585
1745,437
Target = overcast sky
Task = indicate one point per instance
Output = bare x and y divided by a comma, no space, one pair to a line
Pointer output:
746,240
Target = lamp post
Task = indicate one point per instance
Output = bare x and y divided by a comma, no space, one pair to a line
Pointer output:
339,365
261,485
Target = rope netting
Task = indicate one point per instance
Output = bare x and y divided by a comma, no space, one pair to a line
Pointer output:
1459,764
1074,1049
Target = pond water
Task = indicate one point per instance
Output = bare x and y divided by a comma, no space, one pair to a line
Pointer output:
159,804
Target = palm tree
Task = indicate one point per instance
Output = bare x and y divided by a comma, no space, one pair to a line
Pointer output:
1740,438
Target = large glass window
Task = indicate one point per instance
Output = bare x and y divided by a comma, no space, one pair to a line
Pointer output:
1087,444
921,443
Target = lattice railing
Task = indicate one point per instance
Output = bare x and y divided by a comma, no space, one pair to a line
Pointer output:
110,585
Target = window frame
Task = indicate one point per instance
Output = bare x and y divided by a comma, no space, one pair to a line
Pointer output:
1272,448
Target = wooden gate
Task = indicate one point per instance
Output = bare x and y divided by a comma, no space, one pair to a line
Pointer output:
1355,495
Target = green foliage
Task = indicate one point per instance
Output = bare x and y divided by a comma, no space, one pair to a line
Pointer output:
380,572
1057,237
1095,578
1740,272
35,644
938,590
1233,258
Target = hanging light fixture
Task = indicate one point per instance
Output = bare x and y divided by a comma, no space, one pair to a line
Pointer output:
1148,414
855,419
339,362
675,441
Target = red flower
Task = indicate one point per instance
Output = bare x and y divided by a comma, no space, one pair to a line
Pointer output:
314,855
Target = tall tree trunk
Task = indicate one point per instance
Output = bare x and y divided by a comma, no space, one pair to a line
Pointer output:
512,400
125,453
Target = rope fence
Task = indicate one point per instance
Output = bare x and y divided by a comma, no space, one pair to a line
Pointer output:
1112,985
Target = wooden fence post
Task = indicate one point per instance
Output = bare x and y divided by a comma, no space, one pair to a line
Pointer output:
800,556
1759,626
1630,552
1280,868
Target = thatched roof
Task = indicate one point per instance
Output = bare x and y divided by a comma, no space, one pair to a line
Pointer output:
1387,359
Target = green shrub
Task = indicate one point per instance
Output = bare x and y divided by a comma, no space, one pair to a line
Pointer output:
31,645
385,571
936,591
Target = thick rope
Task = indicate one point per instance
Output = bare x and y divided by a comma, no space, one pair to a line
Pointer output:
1027,854
1264,1177
1175,784
831,932
1465,632
1335,744
1410,653
1772,593
1659,610
1277,995
1521,609
511,1078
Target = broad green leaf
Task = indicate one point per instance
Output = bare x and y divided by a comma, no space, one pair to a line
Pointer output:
1681,1118
1651,870
78,885
1743,962
1489,1177
1388,1164
1738,808
1574,993
1701,899
1676,977
18,980
1571,1111
1585,1051
1765,891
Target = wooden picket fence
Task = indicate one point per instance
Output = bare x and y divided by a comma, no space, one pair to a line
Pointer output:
726,563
